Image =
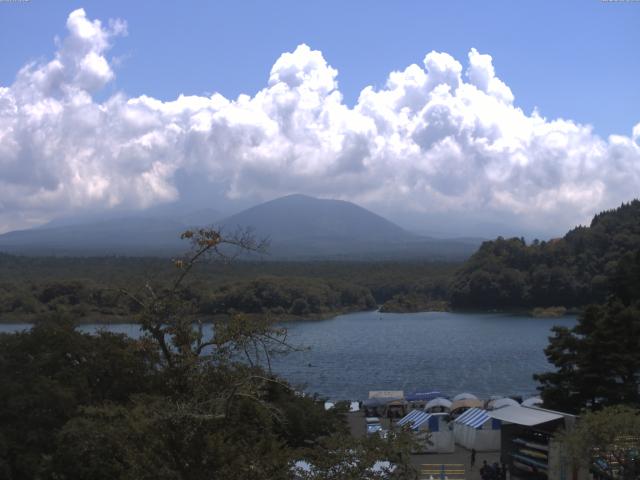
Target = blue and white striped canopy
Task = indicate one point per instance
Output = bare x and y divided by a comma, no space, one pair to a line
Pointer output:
415,418
474,417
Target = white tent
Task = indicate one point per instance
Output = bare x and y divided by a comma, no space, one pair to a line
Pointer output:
438,404
458,405
532,402
441,436
501,403
527,416
476,429
465,396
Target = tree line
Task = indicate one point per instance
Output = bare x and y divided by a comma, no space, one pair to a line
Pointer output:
89,288
574,271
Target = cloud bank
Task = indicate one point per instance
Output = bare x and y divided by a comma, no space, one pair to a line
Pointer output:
437,138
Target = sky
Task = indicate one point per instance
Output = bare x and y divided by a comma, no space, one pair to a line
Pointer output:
447,117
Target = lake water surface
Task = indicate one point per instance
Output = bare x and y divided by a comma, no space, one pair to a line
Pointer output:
486,354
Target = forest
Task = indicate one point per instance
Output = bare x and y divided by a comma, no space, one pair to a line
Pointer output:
579,269
89,288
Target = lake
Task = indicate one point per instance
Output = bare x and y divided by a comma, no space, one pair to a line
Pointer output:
348,355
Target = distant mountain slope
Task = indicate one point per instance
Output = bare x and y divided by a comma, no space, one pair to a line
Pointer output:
580,268
299,228
152,232
303,227
122,236
302,217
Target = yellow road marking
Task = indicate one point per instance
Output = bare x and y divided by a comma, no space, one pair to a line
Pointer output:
453,471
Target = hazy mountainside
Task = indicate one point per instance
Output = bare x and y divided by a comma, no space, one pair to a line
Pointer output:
123,236
299,217
582,267
155,231
175,214
302,227
299,227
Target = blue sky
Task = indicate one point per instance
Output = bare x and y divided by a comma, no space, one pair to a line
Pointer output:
443,116
573,59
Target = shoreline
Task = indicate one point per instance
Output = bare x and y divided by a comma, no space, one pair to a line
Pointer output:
32,319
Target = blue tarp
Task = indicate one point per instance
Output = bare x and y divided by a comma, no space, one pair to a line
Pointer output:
434,423
422,396
474,417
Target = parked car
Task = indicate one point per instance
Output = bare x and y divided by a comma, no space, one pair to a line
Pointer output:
373,425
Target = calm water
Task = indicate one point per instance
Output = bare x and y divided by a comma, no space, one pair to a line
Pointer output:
486,354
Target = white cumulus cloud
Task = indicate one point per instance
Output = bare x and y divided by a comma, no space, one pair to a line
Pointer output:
438,137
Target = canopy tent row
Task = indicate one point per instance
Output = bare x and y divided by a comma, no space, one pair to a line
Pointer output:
525,416
424,396
390,403
436,424
414,419
465,396
474,418
501,403
420,399
466,403
475,429
438,404
532,402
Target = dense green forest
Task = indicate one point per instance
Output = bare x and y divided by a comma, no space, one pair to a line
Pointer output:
89,288
572,271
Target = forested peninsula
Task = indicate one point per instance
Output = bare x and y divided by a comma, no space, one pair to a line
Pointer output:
581,268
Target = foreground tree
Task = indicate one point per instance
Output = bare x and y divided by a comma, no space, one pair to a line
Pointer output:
598,360
607,441
47,374
185,401
340,457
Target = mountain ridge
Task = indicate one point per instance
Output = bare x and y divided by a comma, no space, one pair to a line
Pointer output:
307,216
299,227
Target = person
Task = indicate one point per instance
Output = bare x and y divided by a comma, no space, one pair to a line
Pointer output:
473,457
484,471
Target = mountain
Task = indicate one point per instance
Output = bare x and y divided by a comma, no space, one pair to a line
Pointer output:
121,236
299,227
151,232
173,213
584,266
300,217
